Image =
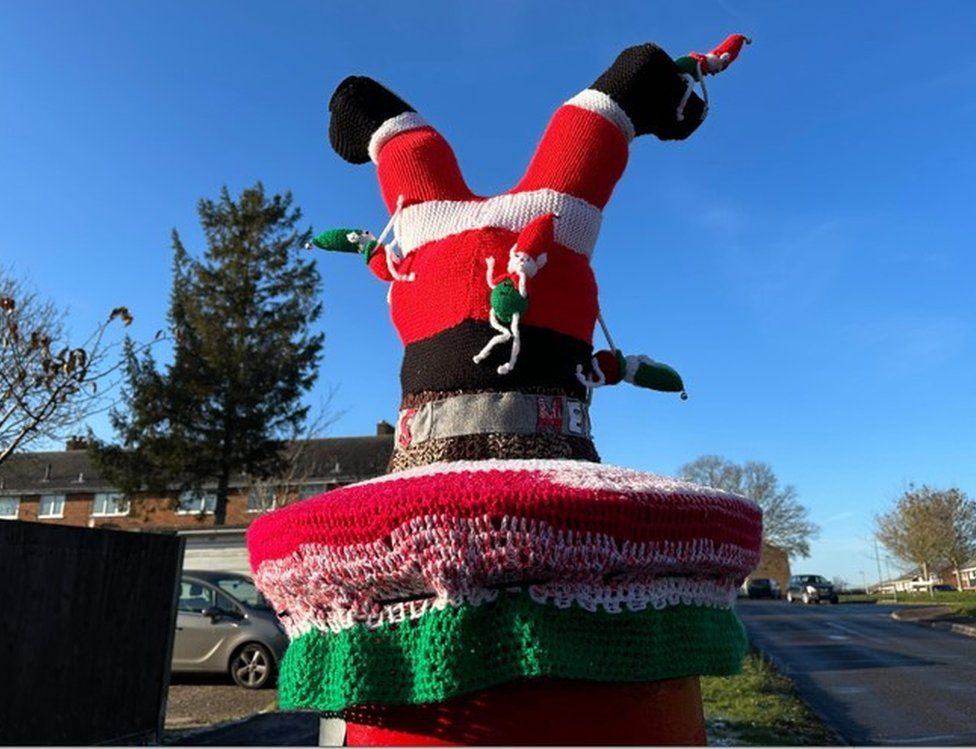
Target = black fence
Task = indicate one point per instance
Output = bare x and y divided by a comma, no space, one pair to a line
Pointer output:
86,633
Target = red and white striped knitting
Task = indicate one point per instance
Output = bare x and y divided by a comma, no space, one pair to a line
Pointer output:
444,230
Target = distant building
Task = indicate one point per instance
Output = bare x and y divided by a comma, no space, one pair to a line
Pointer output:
911,582
65,488
968,572
774,563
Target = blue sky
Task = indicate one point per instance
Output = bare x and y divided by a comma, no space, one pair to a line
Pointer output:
805,260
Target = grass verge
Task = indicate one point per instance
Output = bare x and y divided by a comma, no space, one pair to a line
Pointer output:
857,598
962,603
759,707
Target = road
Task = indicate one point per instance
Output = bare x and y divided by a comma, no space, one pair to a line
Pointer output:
872,679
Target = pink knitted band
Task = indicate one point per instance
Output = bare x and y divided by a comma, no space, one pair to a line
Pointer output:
571,496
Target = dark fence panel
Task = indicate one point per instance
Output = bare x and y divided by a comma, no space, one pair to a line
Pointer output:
86,627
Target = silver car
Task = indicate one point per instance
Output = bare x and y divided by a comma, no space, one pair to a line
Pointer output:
224,625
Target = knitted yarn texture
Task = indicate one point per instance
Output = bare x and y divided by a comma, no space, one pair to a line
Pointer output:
522,561
499,547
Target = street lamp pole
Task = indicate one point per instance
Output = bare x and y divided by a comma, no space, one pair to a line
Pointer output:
894,587
877,558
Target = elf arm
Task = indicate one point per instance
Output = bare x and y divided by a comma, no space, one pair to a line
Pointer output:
359,241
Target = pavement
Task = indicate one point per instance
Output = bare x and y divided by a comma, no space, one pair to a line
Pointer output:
268,729
937,617
872,679
196,701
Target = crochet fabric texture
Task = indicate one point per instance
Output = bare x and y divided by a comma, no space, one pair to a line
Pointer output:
438,580
499,548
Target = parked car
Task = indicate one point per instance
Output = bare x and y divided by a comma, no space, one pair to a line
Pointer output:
224,625
762,587
944,588
810,589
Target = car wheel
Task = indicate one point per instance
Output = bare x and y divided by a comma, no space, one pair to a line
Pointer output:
806,598
252,666
834,600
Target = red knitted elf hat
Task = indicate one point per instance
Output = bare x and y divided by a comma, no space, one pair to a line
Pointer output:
499,548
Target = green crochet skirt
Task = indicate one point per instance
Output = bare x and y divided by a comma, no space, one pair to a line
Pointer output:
452,651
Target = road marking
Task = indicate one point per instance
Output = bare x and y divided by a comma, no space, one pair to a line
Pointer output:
854,632
849,690
838,637
925,739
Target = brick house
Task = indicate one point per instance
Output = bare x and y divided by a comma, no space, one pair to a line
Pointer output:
65,488
774,563
968,572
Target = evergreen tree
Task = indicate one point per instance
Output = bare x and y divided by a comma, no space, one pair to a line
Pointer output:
243,356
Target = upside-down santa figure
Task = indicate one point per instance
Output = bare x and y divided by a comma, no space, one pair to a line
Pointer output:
501,585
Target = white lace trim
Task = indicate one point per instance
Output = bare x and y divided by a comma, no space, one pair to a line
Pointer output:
658,594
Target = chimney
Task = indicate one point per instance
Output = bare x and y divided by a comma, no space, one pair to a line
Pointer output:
76,443
384,428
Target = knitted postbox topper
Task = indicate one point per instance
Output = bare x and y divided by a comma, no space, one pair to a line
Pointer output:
498,547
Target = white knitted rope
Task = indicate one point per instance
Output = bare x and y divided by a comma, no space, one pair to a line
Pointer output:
432,220
389,249
690,81
452,560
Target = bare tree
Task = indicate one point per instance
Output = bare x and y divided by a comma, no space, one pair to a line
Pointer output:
785,521
47,385
928,527
281,487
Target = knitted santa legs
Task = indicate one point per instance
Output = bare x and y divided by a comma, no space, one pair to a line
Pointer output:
447,236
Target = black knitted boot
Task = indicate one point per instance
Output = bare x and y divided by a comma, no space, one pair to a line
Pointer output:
358,107
649,87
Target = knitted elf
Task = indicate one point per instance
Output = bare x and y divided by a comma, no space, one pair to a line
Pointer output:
509,297
500,567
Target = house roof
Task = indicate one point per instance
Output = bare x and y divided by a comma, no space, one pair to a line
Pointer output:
326,460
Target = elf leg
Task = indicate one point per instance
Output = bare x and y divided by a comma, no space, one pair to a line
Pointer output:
503,335
370,122
516,345
584,149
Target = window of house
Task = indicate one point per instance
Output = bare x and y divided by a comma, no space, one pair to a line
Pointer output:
196,502
310,490
109,503
260,499
52,506
9,507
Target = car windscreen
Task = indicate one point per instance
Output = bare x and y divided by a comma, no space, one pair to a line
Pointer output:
814,580
243,590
